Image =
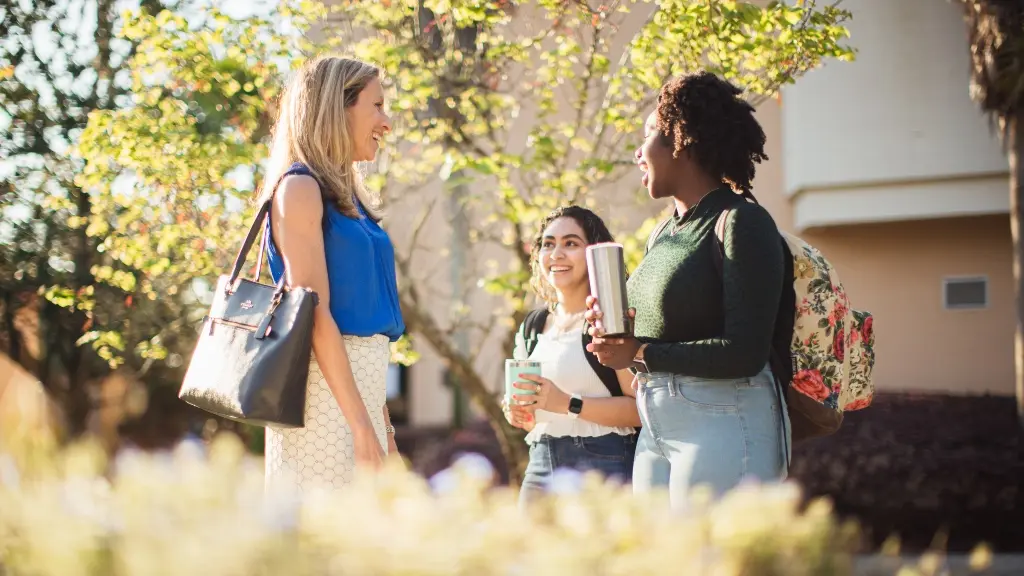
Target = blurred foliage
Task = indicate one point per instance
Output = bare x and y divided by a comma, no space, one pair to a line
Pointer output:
78,515
60,60
172,170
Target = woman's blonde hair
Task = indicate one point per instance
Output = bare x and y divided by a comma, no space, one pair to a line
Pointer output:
312,129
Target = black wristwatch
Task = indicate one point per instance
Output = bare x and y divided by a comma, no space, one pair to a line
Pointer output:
575,406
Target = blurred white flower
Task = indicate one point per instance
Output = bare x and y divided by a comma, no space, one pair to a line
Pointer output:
280,511
475,465
9,476
197,511
565,481
467,467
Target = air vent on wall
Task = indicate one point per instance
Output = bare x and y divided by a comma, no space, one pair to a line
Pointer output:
965,293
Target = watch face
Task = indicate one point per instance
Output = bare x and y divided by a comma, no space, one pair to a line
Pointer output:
575,405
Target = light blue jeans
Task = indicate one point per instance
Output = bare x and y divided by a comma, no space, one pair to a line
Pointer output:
711,432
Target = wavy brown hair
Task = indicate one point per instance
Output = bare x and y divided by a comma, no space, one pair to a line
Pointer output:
594,229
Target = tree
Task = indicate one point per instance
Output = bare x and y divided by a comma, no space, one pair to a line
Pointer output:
465,75
995,33
171,172
59,61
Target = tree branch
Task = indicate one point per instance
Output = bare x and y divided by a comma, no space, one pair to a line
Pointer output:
509,439
417,228
583,101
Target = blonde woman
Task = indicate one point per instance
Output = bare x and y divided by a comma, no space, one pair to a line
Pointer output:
325,235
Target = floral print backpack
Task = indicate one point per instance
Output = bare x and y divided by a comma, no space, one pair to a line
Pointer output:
832,346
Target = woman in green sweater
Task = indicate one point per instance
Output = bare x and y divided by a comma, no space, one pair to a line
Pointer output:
704,316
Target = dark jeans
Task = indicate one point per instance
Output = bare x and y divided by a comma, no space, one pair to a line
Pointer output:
611,455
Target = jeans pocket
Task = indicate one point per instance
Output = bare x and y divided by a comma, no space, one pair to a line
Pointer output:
716,396
540,463
608,447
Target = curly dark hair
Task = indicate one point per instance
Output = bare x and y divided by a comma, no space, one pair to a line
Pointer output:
705,114
594,229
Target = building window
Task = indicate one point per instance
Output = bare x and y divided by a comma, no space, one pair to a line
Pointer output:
965,293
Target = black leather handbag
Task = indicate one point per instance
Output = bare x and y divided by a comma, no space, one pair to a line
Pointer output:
252,359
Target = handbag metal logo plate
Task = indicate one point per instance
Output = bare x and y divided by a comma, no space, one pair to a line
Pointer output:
246,305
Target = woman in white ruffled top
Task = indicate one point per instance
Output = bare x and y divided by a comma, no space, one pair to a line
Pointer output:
582,415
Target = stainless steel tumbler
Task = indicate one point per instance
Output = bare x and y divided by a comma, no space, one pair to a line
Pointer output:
607,271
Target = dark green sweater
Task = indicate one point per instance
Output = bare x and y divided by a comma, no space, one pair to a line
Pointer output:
696,323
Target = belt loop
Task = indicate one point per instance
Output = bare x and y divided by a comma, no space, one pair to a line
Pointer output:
673,388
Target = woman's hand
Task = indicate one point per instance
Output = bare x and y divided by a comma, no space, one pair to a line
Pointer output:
517,416
392,453
368,451
617,353
593,315
546,395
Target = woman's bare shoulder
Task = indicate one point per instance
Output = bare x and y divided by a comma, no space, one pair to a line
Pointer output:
298,198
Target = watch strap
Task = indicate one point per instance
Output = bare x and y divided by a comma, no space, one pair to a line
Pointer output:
575,406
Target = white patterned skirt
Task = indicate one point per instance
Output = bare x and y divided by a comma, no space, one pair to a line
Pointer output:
321,455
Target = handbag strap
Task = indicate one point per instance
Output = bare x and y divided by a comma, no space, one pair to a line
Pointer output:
250,239
295,168
264,239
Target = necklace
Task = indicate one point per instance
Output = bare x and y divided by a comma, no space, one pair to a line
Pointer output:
564,322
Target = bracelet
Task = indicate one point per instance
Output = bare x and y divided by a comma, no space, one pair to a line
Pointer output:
390,430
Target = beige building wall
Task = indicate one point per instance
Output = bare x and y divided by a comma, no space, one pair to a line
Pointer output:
904,110
894,135
896,271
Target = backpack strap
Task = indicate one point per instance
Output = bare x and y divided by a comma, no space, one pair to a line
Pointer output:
533,325
776,360
657,233
781,364
606,374
719,252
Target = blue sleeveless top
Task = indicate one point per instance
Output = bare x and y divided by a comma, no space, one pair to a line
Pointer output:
360,271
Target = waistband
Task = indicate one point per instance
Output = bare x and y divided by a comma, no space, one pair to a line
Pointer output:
625,438
653,380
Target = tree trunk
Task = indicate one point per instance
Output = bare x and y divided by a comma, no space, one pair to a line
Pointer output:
13,336
513,449
76,360
1015,149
